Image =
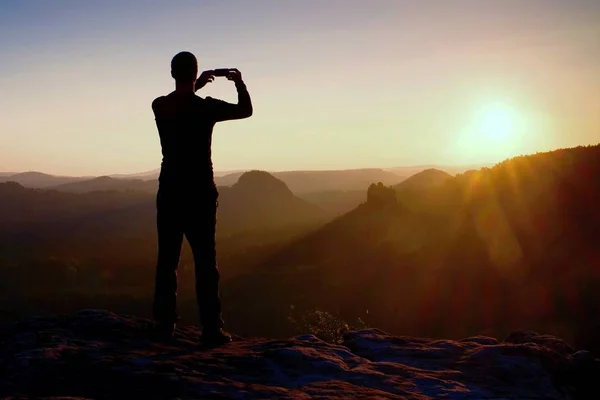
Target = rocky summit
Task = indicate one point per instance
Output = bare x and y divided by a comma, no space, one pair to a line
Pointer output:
95,354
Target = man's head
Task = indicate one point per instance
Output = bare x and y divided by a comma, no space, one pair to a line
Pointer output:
184,67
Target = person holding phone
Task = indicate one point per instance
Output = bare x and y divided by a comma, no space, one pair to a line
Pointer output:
186,200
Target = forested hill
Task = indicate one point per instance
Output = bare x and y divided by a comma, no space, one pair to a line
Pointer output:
487,251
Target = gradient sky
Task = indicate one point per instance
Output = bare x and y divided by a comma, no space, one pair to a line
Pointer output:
335,83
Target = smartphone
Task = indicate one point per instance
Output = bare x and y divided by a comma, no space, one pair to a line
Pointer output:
221,71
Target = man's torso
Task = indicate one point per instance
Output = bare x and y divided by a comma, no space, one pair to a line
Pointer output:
185,128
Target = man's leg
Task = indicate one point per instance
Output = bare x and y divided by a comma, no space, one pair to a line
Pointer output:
200,233
170,238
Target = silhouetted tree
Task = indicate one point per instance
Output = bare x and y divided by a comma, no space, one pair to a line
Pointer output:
379,195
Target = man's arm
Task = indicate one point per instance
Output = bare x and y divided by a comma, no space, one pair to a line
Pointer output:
157,105
224,111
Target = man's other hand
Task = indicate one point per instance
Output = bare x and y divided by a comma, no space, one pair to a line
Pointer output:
235,75
205,77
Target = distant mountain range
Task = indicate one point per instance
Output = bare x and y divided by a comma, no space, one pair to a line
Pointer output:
424,180
299,182
450,169
107,183
257,201
153,174
34,179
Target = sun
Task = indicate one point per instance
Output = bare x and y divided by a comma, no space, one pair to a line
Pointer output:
493,131
497,122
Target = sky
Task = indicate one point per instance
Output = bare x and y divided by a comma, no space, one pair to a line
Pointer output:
335,84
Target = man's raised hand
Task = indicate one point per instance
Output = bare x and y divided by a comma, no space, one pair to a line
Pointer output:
235,75
205,77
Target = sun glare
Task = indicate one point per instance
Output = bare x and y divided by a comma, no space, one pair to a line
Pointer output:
497,122
493,132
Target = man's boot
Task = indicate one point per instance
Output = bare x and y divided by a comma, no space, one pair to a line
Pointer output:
215,337
163,331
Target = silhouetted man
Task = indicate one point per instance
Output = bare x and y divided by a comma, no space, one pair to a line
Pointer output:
187,195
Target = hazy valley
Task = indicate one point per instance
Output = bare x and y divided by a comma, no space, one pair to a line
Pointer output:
486,251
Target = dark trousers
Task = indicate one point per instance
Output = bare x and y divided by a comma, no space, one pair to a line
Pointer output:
193,214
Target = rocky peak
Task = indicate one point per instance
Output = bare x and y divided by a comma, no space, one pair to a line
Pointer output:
98,354
261,183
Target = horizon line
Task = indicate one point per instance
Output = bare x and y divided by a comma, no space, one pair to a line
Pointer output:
236,170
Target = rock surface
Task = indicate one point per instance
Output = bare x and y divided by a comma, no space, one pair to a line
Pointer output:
96,354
